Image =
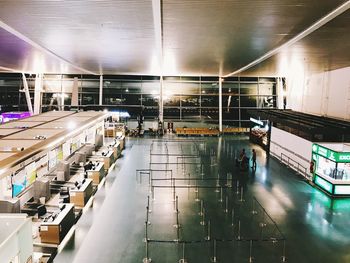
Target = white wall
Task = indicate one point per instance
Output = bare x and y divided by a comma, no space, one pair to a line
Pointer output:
295,147
325,94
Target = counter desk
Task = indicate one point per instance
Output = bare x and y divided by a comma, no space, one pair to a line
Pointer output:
97,173
79,197
53,232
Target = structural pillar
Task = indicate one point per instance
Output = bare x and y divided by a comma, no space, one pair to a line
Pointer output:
161,100
26,91
101,91
220,104
37,93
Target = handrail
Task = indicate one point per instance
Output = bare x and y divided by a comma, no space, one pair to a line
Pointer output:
297,166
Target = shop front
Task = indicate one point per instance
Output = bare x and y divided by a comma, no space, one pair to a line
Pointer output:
332,168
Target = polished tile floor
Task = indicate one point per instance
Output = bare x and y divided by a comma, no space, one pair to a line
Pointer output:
316,228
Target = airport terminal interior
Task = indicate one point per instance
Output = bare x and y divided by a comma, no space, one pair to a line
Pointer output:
165,131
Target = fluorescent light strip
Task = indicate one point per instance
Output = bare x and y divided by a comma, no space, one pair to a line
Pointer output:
45,50
339,10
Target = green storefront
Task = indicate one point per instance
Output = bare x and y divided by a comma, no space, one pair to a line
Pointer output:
332,169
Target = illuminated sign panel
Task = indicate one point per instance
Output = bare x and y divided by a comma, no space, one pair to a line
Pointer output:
341,157
323,184
342,189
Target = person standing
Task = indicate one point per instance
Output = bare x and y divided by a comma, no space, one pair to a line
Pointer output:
254,159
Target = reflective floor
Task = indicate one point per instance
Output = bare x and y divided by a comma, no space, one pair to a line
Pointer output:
209,188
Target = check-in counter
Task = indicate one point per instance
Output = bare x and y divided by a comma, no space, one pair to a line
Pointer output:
121,140
108,160
97,173
115,147
80,196
53,232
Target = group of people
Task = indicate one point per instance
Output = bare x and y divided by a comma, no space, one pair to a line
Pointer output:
243,160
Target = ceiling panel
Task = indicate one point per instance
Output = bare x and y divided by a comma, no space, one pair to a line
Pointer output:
100,36
17,55
206,37
200,37
323,50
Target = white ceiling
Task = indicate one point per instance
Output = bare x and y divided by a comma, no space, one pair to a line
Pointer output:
193,37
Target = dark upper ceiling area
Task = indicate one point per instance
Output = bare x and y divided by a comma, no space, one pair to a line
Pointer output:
169,37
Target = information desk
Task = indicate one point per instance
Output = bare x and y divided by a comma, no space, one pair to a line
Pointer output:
79,197
331,169
54,232
97,173
108,160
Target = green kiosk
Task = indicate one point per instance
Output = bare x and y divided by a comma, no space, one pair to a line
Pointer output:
332,168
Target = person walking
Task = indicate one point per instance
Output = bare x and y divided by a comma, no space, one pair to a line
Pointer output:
254,159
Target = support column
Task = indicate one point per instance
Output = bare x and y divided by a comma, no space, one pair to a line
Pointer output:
220,104
75,93
161,100
26,91
101,90
37,93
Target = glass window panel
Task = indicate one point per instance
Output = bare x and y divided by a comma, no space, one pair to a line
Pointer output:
266,101
230,101
248,101
90,84
210,113
150,87
210,88
171,101
190,88
244,114
209,101
151,112
190,113
266,89
90,98
190,100
150,100
172,88
230,89
230,114
171,113
249,89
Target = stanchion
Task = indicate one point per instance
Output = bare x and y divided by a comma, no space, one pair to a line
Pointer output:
147,259
233,217
176,207
208,231
221,192
226,205
202,222
152,192
283,258
254,212
214,258
202,170
237,187
250,251
174,190
197,193
146,232
177,225
183,260
217,184
241,199
201,209
239,230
